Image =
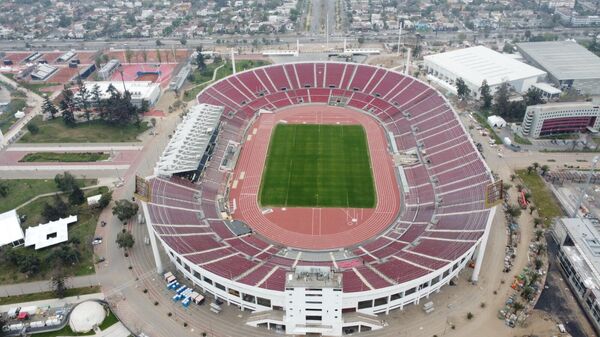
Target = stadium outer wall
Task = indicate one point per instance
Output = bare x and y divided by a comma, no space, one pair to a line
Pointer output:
396,296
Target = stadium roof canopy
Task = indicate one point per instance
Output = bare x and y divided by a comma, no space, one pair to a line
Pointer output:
565,60
49,234
190,141
10,226
479,63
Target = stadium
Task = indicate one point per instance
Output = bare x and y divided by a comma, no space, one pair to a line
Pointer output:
318,194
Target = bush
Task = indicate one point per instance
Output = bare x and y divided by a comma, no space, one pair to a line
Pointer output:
470,315
33,128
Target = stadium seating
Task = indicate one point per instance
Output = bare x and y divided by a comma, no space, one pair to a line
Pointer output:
428,234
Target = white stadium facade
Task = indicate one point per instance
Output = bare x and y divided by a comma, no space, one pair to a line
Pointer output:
442,225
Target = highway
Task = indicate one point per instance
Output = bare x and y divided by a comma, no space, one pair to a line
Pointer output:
314,36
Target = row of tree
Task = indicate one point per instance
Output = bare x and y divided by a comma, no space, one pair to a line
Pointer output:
500,102
117,109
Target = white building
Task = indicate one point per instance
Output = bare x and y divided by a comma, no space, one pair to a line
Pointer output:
496,121
579,259
49,234
140,90
476,64
557,118
10,226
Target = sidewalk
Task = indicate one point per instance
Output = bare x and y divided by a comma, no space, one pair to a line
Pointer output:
41,286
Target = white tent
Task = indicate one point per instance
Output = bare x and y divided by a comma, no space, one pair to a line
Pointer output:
86,316
10,227
496,121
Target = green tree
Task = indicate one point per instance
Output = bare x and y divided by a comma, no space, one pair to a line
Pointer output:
67,107
128,55
486,96
158,43
462,89
105,199
76,197
544,169
533,97
183,41
538,234
59,209
537,222
513,211
531,209
33,128
66,182
4,189
58,283
49,108
200,59
125,240
125,209
501,105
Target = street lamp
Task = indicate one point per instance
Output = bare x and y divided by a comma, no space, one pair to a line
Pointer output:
585,187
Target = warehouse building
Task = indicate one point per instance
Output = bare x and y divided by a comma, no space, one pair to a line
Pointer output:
476,64
569,65
557,118
140,90
579,259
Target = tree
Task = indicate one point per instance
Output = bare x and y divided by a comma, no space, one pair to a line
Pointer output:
544,169
4,189
538,234
513,211
65,182
125,240
105,199
158,43
76,197
531,209
49,108
517,306
183,41
33,128
512,177
83,101
200,59
67,107
502,106
462,89
486,95
533,97
535,165
58,283
519,187
125,209
537,222
529,169
53,212
158,56
540,248
145,55
128,55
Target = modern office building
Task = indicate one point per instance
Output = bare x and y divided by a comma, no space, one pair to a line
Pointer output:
476,64
555,118
579,259
569,65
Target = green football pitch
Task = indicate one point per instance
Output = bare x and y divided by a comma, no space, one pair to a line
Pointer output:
318,166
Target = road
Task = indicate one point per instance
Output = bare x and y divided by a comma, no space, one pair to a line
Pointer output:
307,37
33,100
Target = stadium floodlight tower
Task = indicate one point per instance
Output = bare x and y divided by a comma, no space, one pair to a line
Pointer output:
585,188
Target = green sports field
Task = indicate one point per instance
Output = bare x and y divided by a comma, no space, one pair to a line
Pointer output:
318,166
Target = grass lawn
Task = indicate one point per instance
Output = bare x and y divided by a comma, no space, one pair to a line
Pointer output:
318,166
55,131
81,234
64,157
7,119
206,75
520,140
46,295
547,206
21,190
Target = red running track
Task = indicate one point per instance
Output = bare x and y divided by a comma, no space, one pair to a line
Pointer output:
314,228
